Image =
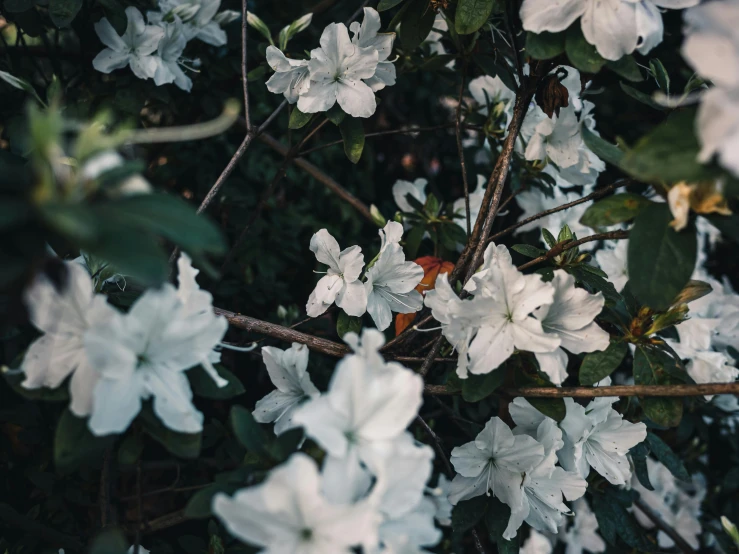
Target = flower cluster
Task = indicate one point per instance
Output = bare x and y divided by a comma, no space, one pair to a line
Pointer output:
154,50
371,489
116,360
389,280
343,70
508,310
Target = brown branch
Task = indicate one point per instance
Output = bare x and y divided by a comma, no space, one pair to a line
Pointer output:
627,390
164,522
319,176
244,34
412,359
592,196
563,246
430,357
460,150
679,541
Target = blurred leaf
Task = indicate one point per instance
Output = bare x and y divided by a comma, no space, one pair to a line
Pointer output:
614,520
638,455
614,209
199,505
660,75
347,324
477,387
203,385
668,458
467,513
130,449
642,97
660,259
416,23
596,366
183,445
603,149
387,4
544,46
62,12
110,540
471,15
74,443
496,521
59,394
582,54
249,433
352,132
627,68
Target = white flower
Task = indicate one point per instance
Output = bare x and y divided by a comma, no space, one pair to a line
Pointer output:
433,40
170,51
613,259
711,367
134,48
368,405
366,35
106,160
199,17
545,487
402,188
536,543
341,283
556,138
597,436
476,197
440,497
495,461
491,93
571,317
534,201
614,27
288,372
291,78
144,354
288,513
336,71
390,234
391,284
64,314
142,550
583,534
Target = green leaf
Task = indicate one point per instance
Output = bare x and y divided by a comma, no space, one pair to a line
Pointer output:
347,324
528,250
203,385
62,12
551,407
660,75
335,114
467,513
387,4
18,6
110,541
548,238
627,68
130,449
660,259
582,54
183,445
668,458
599,365
352,132
436,62
602,148
74,443
249,433
413,241
199,505
614,520
652,367
638,455
642,97
496,521
727,224
594,282
416,23
544,46
668,153
471,15
59,394
298,119
477,387
20,84
614,209
258,25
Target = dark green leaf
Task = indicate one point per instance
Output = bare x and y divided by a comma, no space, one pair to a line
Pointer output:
249,433
551,407
62,12
335,114
199,505
184,445
727,224
627,68
110,541
130,449
638,456
549,238
298,119
352,132
471,15
347,324
642,97
650,369
594,282
467,513
416,23
59,394
660,259
599,365
614,520
203,385
660,75
668,153
436,62
496,521
528,250
18,6
477,387
582,54
74,443
387,4
668,458
545,45
614,209
602,148
413,241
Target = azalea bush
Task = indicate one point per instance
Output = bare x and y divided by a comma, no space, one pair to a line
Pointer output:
402,276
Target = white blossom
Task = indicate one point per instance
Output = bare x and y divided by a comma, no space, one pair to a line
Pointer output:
337,70
439,495
291,77
534,201
367,35
536,543
476,197
135,48
287,370
613,260
170,52
571,317
583,533
490,93
402,188
341,283
288,513
64,313
614,27
494,463
199,17
144,354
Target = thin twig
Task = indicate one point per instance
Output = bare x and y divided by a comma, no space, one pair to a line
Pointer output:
430,357
592,196
460,150
244,34
627,390
679,541
563,246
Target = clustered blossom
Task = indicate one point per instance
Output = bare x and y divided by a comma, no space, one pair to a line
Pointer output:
154,50
615,27
372,490
344,70
711,47
389,281
118,360
508,310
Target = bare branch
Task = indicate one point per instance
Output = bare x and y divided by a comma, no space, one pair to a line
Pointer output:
679,541
627,390
562,247
460,150
244,34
